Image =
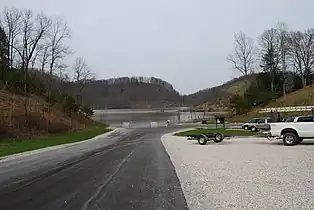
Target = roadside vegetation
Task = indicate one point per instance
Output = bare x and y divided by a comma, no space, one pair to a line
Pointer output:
33,59
231,132
12,146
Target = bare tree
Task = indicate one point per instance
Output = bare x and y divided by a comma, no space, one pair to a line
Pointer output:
82,73
302,53
58,49
11,23
242,57
33,30
267,40
308,52
44,55
282,36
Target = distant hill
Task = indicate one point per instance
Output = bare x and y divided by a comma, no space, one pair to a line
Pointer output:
126,92
151,92
302,97
217,98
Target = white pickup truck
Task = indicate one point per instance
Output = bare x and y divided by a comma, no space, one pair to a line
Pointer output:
294,130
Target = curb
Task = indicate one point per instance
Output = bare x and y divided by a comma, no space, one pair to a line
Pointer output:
178,131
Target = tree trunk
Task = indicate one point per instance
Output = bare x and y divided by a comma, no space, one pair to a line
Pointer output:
272,81
284,75
26,90
303,80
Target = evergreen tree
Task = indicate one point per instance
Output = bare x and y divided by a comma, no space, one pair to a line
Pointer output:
270,64
3,53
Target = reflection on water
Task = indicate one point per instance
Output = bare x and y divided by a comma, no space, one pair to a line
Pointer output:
143,118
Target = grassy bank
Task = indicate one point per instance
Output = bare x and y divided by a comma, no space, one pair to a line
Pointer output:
219,130
9,147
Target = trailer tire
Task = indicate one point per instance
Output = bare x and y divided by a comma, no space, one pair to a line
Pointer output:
202,140
218,137
290,139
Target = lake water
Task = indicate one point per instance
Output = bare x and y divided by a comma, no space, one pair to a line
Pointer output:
143,118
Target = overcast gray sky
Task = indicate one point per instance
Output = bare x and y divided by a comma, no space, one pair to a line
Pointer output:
184,42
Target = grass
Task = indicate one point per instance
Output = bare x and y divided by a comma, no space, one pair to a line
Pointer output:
219,130
9,147
214,122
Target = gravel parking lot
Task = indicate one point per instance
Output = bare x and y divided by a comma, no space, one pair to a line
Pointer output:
244,173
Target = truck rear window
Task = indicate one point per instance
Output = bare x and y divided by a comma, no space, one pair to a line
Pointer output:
305,119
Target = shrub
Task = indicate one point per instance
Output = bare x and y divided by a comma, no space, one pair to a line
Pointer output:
88,111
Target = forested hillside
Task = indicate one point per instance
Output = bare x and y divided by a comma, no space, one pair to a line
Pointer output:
32,50
284,59
125,92
217,98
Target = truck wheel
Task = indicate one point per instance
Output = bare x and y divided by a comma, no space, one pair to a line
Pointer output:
218,137
290,139
253,129
300,140
202,140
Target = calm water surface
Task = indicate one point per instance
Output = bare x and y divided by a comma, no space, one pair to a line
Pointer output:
143,118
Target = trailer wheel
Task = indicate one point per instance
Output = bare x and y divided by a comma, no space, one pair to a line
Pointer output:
202,140
218,137
290,139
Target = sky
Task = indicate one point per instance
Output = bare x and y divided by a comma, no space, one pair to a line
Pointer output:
184,42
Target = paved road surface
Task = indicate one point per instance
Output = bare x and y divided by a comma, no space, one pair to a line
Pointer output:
134,172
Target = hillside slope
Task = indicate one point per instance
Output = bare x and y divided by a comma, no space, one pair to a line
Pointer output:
126,93
302,97
13,119
217,98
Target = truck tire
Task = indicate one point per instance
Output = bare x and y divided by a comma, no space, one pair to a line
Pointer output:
202,140
290,139
218,137
253,129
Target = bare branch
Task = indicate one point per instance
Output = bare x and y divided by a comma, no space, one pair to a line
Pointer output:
302,52
33,30
82,72
58,35
242,57
282,36
11,24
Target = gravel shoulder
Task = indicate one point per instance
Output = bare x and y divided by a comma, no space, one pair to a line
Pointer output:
243,173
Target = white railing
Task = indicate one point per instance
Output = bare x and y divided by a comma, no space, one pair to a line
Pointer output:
288,109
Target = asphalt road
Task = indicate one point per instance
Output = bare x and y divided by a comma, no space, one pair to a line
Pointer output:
132,172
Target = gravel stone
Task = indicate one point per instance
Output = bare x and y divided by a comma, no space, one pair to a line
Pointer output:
244,173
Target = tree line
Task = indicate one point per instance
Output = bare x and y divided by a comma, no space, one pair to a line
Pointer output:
139,80
283,60
33,52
